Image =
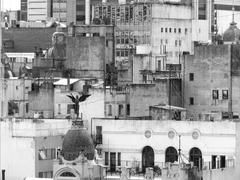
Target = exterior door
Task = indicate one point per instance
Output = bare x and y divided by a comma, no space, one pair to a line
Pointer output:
112,161
147,158
196,157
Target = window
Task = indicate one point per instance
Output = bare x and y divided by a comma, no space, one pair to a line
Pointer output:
47,154
166,30
186,30
106,158
171,155
69,107
222,161
27,107
180,43
191,76
214,160
176,43
224,94
59,108
179,30
118,53
99,134
215,94
170,30
109,110
47,174
191,101
120,110
128,110
159,65
119,159
161,29
175,30
166,41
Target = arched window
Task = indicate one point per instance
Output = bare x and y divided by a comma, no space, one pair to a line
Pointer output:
171,155
67,174
147,157
195,156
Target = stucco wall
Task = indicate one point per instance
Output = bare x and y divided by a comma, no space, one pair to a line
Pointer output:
86,55
211,68
42,101
128,137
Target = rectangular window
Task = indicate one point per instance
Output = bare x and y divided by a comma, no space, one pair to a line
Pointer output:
176,43
180,43
224,94
106,158
175,30
166,41
109,110
99,134
191,101
27,107
161,29
118,53
170,30
186,30
59,108
128,110
179,30
222,161
53,153
120,110
214,160
119,159
191,76
215,94
166,30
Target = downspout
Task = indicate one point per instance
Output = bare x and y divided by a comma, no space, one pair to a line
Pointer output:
230,84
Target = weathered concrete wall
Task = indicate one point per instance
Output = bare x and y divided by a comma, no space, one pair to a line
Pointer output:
144,95
25,39
20,141
42,101
211,68
86,56
220,174
51,142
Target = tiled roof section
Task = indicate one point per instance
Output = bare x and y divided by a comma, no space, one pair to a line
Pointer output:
75,142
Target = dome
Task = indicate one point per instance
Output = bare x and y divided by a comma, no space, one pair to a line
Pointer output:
75,142
232,34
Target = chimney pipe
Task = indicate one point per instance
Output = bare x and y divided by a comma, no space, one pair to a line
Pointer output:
3,174
87,12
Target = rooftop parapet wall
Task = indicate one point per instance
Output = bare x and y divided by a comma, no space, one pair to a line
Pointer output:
38,127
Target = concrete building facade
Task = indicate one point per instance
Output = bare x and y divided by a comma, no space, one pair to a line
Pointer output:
33,143
211,78
128,142
39,10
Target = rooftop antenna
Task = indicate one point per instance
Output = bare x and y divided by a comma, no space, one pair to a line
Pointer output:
233,10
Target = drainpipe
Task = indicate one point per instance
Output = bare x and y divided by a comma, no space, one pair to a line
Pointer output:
230,84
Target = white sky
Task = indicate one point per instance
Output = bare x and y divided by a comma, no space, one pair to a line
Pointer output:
10,4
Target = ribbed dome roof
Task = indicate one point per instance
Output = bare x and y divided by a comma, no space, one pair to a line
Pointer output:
76,141
232,33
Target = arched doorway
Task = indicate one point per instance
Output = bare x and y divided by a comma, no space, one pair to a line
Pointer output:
171,155
195,156
147,157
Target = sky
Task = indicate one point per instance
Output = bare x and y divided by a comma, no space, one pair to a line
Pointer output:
10,4
224,17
